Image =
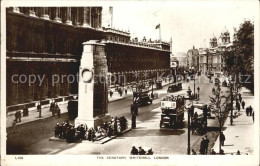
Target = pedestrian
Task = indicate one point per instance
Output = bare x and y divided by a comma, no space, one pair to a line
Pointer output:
198,89
250,110
18,116
115,126
202,146
111,93
58,112
213,152
243,104
93,135
206,144
110,130
53,109
238,153
238,107
150,152
222,138
25,111
125,91
141,151
134,151
253,116
53,103
56,130
39,109
14,126
133,121
90,134
239,97
193,152
247,111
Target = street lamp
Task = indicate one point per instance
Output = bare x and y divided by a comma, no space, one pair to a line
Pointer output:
231,93
188,105
194,85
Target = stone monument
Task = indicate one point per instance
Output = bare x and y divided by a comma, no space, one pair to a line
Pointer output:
93,87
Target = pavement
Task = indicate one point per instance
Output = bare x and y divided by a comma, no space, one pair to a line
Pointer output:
34,115
239,136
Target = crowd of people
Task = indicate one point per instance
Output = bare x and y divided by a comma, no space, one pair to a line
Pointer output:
67,131
120,91
141,151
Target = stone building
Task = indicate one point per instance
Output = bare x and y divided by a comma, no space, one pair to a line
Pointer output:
193,58
46,42
211,59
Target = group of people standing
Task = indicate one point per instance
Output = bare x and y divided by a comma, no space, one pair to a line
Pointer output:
55,109
67,131
204,144
141,151
249,109
119,90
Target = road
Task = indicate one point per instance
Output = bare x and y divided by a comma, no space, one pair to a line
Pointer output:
32,138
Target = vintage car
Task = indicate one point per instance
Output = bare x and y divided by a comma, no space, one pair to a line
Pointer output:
142,98
174,87
199,115
172,111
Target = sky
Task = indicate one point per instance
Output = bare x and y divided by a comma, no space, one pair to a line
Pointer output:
189,23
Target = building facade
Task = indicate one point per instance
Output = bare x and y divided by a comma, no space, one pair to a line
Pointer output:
46,43
211,59
193,58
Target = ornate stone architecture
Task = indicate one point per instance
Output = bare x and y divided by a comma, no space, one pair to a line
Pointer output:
210,59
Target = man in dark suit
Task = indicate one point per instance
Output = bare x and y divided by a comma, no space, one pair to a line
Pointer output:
52,105
222,138
25,111
39,109
134,151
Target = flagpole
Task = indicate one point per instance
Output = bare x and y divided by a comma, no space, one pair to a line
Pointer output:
160,32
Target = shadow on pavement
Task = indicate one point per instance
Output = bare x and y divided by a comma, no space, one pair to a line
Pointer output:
153,132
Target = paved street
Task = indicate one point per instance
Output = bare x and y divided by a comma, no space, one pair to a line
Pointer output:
147,134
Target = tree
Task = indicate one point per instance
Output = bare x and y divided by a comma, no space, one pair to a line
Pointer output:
219,107
239,62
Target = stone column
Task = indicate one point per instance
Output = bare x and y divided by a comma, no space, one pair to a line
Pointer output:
45,14
69,22
85,23
77,17
100,18
57,15
90,17
32,12
93,95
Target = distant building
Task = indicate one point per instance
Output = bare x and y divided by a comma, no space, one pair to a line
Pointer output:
211,59
193,58
47,41
182,59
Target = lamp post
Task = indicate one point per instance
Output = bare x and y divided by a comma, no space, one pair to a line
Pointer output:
188,106
194,85
231,93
